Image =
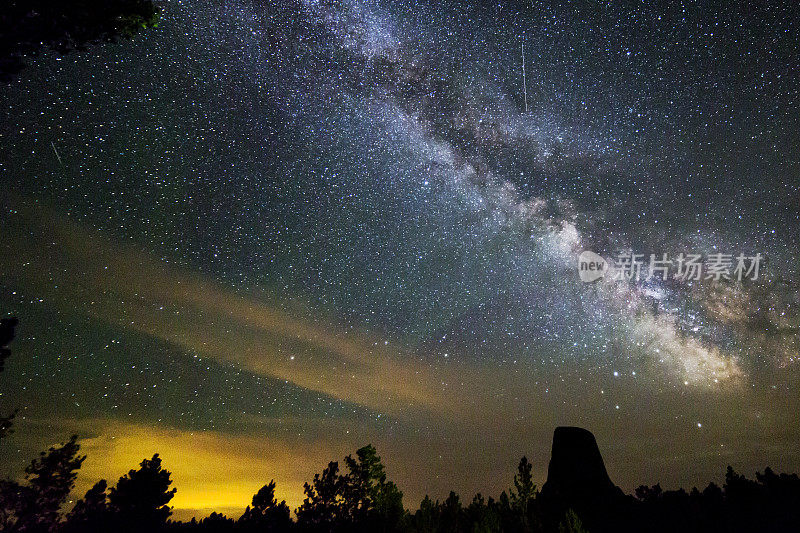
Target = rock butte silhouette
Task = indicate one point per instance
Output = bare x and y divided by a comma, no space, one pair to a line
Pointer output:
576,467
577,478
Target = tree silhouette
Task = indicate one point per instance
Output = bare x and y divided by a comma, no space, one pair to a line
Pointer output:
217,522
35,506
139,501
451,512
266,514
369,498
7,334
427,517
523,494
649,494
361,500
322,509
483,516
10,503
91,513
28,25
571,523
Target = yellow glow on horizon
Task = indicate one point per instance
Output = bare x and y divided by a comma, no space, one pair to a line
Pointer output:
212,471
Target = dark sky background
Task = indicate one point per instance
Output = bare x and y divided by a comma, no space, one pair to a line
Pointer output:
265,234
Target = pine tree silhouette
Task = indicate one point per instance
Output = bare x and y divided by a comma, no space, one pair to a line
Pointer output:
35,505
139,500
266,514
91,513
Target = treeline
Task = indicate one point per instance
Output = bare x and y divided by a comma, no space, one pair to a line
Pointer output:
360,498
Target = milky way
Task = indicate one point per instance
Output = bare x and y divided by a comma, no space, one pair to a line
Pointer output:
272,219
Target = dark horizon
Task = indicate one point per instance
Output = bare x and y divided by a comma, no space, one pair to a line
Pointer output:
357,494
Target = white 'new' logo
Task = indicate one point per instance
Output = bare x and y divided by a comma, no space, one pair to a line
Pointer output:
591,266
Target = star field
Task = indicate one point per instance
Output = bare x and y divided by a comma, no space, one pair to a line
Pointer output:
292,228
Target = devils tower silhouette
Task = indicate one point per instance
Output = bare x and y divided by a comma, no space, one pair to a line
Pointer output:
577,479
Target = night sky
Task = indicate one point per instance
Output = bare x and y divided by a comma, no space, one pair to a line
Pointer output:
265,234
